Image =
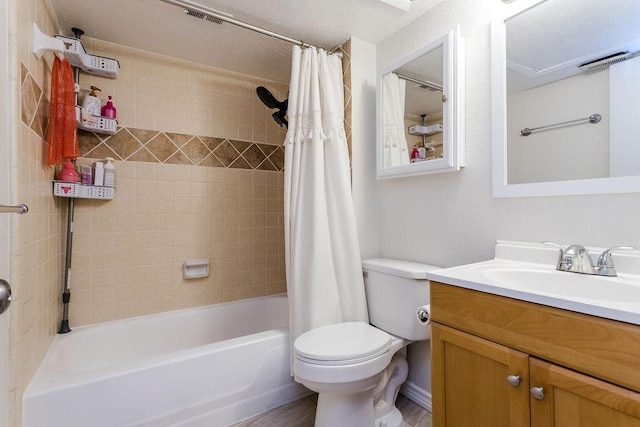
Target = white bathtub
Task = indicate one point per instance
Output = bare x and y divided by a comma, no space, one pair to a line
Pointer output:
209,366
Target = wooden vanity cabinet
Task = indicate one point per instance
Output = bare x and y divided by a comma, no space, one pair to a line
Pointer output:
489,352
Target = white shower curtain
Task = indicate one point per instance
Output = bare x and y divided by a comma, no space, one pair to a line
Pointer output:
395,151
324,273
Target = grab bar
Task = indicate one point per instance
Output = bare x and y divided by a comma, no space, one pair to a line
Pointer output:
594,118
20,209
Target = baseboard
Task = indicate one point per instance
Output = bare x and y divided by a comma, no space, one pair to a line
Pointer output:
416,395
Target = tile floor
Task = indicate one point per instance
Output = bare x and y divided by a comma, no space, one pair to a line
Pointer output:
301,413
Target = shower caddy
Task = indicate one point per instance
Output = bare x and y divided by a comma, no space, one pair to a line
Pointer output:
73,50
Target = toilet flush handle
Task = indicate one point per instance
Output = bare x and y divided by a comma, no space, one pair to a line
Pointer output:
423,315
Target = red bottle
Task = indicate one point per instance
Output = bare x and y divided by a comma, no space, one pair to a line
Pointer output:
415,155
108,110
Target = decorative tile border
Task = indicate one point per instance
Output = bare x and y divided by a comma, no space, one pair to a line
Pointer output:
34,104
143,145
346,82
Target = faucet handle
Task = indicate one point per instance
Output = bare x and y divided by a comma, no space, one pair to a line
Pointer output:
605,266
548,243
561,264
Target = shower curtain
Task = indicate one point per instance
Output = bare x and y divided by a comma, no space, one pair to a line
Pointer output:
395,151
323,265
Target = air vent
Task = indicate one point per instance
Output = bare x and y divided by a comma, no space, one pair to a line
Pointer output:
601,63
204,16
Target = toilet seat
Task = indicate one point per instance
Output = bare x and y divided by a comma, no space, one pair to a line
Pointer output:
342,344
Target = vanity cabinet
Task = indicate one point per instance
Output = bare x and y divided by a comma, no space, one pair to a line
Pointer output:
490,352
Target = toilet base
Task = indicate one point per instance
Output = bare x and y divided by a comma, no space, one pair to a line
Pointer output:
391,419
353,410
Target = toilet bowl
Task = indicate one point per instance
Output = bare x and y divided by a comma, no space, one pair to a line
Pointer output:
355,367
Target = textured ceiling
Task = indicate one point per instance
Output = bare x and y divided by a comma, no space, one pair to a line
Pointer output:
550,40
156,26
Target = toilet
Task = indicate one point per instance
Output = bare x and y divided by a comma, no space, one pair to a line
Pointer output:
355,367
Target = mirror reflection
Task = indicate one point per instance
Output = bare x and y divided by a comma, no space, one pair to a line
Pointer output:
573,92
413,111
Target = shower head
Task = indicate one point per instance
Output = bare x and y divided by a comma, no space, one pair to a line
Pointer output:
279,118
270,101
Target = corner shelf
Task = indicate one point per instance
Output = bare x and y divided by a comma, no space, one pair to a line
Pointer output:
102,124
82,191
93,64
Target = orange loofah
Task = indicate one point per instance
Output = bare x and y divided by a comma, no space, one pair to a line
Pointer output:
62,135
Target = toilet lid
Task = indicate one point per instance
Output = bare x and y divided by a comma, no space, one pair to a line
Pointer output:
341,343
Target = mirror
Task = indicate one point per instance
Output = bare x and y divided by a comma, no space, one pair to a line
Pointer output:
565,98
420,108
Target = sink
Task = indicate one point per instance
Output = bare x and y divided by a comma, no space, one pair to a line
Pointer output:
527,272
567,285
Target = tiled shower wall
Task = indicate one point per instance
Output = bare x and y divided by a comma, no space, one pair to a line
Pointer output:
36,238
198,175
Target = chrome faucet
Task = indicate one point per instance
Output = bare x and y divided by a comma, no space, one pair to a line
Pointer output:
576,259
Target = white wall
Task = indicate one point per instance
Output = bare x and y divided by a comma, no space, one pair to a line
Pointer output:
363,96
451,218
580,151
625,104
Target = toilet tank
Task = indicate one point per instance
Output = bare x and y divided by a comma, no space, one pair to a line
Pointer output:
395,292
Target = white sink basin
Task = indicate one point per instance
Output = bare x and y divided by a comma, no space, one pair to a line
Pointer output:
527,272
565,285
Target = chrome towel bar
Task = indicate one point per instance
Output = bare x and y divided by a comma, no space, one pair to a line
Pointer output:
20,209
594,118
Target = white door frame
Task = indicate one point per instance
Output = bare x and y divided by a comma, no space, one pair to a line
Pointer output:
5,163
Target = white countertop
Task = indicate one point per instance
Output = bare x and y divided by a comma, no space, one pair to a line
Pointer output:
526,272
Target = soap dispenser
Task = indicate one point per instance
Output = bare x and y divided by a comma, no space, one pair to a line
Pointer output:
109,110
92,103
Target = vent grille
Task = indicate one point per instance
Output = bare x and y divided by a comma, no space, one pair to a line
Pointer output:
601,63
204,16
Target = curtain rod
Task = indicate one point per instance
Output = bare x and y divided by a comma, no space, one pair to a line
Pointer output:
227,18
424,83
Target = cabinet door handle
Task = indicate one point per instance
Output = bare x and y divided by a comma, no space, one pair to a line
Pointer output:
537,392
513,380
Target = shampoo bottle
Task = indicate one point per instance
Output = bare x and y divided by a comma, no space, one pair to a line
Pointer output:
98,174
109,110
109,172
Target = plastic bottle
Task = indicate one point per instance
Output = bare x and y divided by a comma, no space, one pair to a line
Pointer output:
109,172
108,110
86,174
92,103
415,155
98,175
68,173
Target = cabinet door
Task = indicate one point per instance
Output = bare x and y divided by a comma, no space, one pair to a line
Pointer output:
571,399
470,384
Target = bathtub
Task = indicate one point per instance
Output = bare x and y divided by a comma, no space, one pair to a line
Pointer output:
209,366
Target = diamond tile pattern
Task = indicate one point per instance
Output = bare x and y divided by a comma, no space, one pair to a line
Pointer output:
143,145
34,106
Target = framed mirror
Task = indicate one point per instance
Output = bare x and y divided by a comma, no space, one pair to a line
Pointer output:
565,98
420,111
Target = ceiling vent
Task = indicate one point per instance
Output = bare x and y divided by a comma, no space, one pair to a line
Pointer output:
201,15
601,63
